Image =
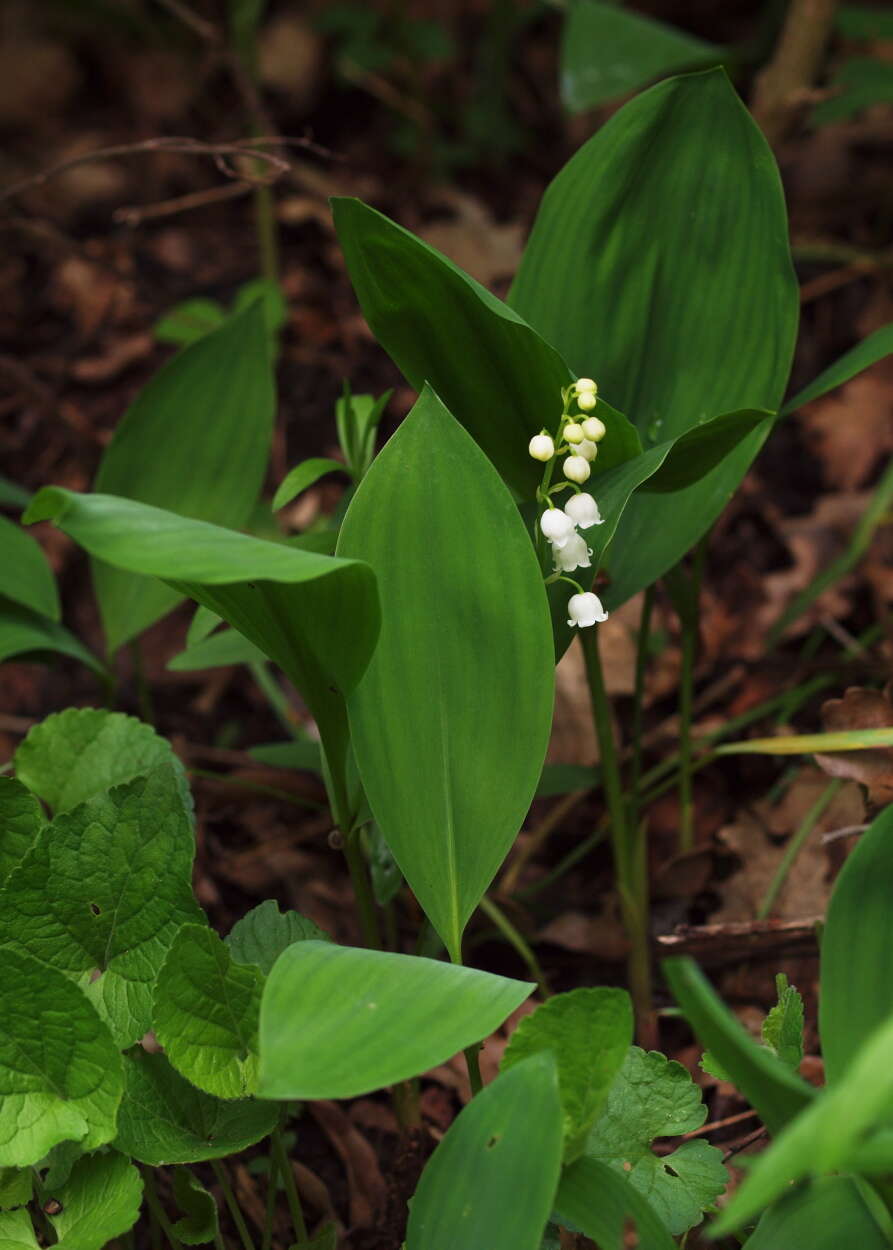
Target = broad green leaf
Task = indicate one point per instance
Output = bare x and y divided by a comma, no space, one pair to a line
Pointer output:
81,752
17,1231
302,476
196,440
856,993
206,1012
203,623
336,1021
199,1223
782,1029
15,1187
189,321
655,249
261,936
29,635
101,893
589,1032
492,1179
595,1198
59,1162
824,1214
60,1071
316,616
866,353
20,820
27,577
100,1200
465,648
827,1136
164,1119
777,1093
607,51
655,1097
225,647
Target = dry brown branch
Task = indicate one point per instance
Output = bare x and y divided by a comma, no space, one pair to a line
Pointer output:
786,84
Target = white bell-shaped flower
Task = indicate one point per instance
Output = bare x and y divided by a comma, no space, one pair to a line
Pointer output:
583,511
594,428
576,468
573,432
557,526
587,400
541,447
573,555
585,610
587,449
585,385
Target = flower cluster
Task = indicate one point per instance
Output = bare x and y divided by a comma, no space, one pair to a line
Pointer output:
578,437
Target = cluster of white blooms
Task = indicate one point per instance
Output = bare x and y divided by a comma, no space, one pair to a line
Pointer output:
579,436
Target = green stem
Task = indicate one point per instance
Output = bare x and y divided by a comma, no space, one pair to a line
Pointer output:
691,621
143,693
272,1195
267,239
795,845
517,940
359,875
471,1052
230,1199
287,1172
274,695
156,1210
638,704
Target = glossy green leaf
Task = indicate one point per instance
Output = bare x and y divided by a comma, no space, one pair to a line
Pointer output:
589,1032
28,635
607,51
316,616
164,1119
189,321
101,893
196,440
200,1223
225,647
596,1199
866,353
302,476
206,1012
100,1200
824,1214
20,819
856,991
81,752
776,1092
60,1071
27,577
659,265
492,1179
261,936
654,1097
203,623
336,1021
302,753
465,649
810,744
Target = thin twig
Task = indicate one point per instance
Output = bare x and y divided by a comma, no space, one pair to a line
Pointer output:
785,85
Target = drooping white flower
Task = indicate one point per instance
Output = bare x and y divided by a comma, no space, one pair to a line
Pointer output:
557,526
594,429
584,385
576,468
587,400
587,449
583,511
573,555
585,610
573,432
541,447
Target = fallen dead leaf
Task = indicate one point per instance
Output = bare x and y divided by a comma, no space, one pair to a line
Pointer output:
366,1187
119,354
861,708
490,252
852,429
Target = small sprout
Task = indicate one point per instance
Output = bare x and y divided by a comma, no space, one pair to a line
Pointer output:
594,429
583,511
541,447
573,432
587,449
557,526
585,610
573,555
576,468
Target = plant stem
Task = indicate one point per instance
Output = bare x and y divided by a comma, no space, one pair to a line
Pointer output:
156,1210
690,631
274,695
474,1068
287,1173
143,693
630,860
517,940
359,875
795,845
265,223
638,704
272,1195
230,1199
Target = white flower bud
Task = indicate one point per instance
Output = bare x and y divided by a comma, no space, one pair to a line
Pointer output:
593,428
585,610
587,401
576,468
541,447
585,384
557,526
587,449
583,511
573,432
573,555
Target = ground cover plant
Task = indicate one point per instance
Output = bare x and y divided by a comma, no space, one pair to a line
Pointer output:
564,451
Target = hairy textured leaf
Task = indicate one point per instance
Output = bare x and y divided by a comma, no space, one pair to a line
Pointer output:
783,1027
261,936
589,1032
466,646
165,1119
336,1022
60,1071
100,1200
20,820
196,440
30,635
206,1013
492,1179
27,577
103,890
655,1097
595,1198
81,752
825,1214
